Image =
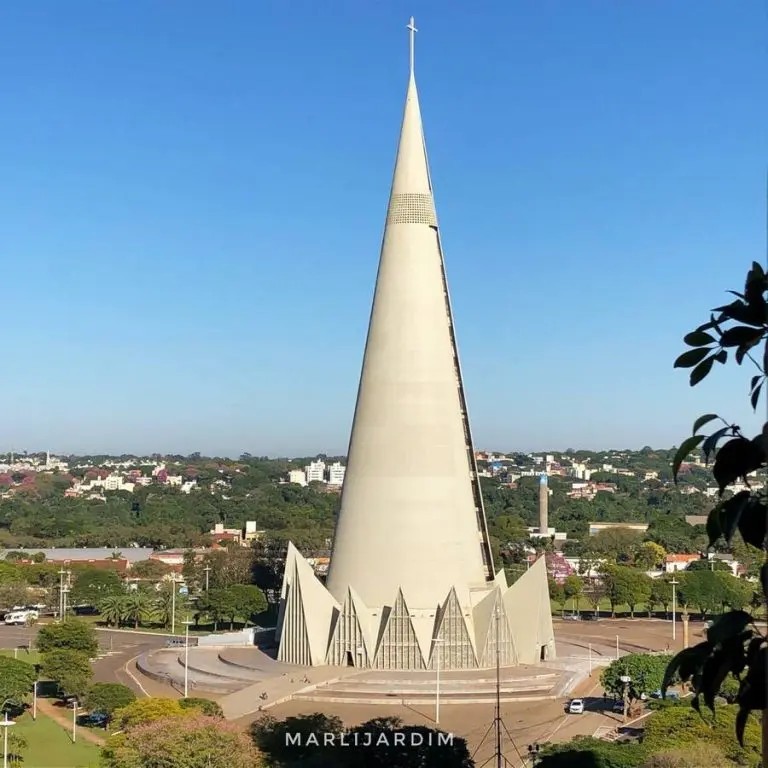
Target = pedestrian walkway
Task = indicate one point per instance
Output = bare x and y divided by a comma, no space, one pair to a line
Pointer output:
63,717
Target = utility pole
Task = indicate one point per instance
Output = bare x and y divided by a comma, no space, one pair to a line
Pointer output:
173,604
438,645
61,593
207,570
6,723
674,606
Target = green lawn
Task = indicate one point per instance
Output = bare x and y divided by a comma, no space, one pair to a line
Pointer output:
33,657
50,746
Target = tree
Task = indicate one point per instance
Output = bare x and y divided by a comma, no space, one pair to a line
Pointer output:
70,669
589,752
734,642
595,593
108,697
113,609
139,607
645,670
250,600
616,544
626,585
72,634
152,570
219,604
708,565
206,706
13,593
192,741
556,593
573,588
94,584
142,711
702,589
680,727
649,555
661,594
271,737
16,679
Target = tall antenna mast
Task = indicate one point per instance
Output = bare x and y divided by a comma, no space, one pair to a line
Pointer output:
497,725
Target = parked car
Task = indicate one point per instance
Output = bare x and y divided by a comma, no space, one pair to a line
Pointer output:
94,720
175,642
576,707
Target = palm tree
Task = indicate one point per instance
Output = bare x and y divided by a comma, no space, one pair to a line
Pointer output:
113,609
139,606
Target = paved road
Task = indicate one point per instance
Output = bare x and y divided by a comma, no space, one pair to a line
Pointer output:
118,650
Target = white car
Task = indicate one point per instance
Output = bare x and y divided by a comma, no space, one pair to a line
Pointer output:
576,707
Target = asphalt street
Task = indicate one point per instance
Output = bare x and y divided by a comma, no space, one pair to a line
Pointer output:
118,649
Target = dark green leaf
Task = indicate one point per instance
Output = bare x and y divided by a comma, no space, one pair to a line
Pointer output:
691,357
752,693
741,723
737,458
701,370
739,335
741,313
702,420
715,670
721,357
686,664
714,531
754,388
710,444
753,649
728,625
684,451
698,339
755,396
752,523
729,514
738,295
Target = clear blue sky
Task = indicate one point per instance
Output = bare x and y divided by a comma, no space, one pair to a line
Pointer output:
193,195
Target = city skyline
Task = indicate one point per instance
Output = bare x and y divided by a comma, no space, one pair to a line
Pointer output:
192,216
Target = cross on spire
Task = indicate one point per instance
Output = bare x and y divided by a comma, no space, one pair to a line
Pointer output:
411,27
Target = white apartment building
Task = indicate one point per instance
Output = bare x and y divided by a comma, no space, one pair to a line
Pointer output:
297,477
336,473
315,472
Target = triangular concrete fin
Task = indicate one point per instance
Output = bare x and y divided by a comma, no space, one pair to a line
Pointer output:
501,579
290,558
454,642
349,645
497,632
399,646
294,640
319,607
528,608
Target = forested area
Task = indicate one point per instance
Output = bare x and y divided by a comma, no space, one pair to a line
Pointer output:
232,492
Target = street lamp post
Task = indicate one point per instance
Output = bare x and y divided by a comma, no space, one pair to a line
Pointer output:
6,723
438,643
533,753
74,721
674,605
186,657
207,570
34,701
